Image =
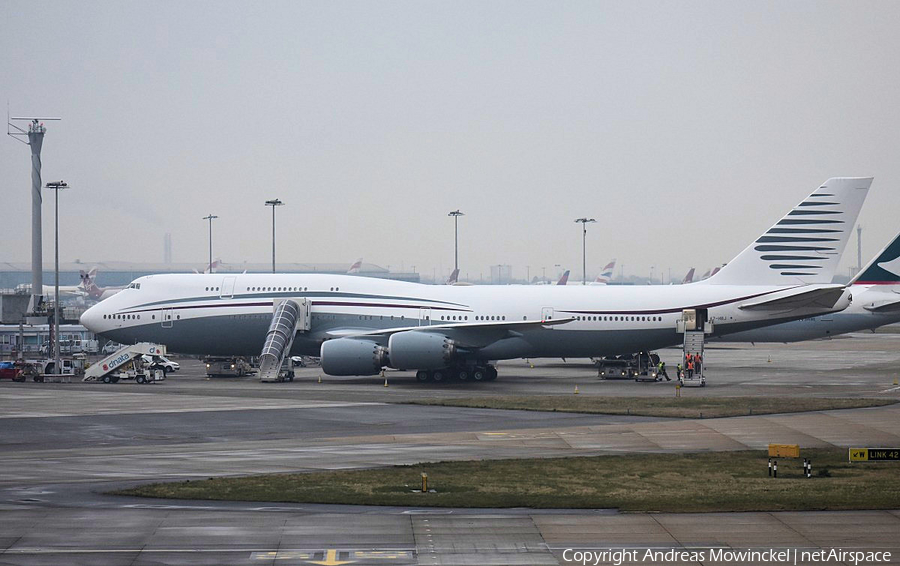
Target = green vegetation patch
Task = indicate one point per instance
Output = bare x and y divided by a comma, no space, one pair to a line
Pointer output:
699,482
686,406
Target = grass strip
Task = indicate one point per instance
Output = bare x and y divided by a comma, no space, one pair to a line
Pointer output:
685,407
698,482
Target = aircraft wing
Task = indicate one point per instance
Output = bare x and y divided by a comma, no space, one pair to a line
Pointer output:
471,334
821,297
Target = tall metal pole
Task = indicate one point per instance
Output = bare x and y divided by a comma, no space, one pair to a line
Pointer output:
273,203
858,248
36,141
273,239
210,218
56,186
584,223
456,214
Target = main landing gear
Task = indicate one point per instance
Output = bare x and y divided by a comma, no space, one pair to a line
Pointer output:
465,373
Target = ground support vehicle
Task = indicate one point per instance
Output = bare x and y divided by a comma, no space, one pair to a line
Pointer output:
128,363
227,366
12,370
614,367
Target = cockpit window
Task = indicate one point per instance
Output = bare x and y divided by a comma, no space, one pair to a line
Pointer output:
134,286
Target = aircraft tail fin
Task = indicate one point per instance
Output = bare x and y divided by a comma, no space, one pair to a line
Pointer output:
454,277
564,279
689,278
884,269
607,273
89,285
806,245
357,265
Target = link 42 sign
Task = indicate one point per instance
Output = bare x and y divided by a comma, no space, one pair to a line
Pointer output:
874,454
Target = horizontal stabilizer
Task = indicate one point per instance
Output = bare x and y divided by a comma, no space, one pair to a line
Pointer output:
822,297
884,307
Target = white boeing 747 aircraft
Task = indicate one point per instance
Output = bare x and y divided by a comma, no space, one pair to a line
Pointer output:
876,302
360,325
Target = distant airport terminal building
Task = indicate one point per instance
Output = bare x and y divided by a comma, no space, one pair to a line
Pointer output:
116,273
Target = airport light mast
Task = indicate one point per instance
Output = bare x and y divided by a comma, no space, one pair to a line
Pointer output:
56,186
456,214
584,222
35,135
273,203
211,217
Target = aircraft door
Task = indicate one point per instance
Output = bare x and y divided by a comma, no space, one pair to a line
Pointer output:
424,317
227,288
547,313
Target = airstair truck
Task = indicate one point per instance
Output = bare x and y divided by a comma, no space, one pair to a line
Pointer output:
125,363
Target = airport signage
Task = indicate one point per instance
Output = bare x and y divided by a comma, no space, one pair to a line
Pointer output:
875,454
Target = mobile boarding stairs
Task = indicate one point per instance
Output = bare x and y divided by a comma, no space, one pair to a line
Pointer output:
291,316
124,364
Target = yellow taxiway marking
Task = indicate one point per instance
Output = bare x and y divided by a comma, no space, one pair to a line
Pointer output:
331,559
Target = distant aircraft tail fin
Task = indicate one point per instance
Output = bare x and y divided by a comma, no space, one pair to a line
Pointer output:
607,273
88,284
806,245
357,265
689,278
564,279
454,277
884,269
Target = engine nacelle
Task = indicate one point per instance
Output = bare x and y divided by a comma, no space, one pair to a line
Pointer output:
352,356
420,350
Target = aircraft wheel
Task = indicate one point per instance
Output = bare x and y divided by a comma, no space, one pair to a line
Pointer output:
439,376
462,374
422,376
492,373
480,374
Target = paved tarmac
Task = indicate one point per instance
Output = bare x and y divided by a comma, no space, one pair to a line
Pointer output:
63,445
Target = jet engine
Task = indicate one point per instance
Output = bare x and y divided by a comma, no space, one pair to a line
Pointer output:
420,350
352,356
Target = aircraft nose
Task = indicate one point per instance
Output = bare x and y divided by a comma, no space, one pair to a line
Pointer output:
91,318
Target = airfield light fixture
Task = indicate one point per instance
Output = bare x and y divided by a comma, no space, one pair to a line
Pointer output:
56,186
456,214
211,217
273,203
584,223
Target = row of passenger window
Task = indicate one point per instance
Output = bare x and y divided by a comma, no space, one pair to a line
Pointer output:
133,317
620,318
271,289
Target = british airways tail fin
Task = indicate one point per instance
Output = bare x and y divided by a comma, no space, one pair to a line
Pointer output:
357,265
607,274
884,269
806,245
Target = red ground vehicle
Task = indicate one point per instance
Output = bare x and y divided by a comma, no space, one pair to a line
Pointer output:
11,370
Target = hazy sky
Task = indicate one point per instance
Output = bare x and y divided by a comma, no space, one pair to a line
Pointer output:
372,120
